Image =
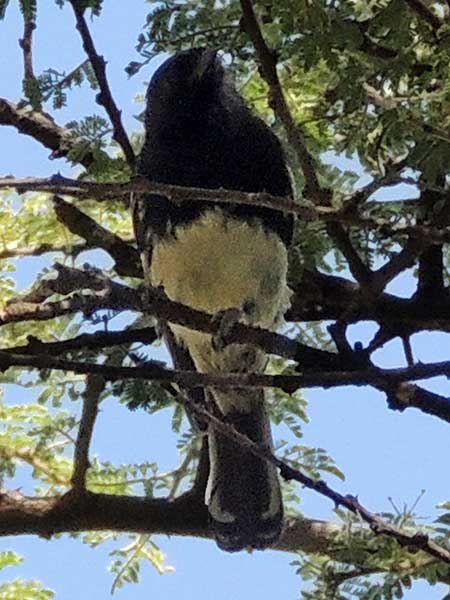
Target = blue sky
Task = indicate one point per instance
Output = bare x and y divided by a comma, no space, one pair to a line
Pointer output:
383,454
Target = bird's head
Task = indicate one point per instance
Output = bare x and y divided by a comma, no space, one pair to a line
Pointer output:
188,80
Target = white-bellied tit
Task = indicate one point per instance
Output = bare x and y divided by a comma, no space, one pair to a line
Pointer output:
217,258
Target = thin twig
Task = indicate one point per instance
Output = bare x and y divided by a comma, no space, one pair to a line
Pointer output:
358,268
105,300
277,100
407,348
31,457
154,371
94,388
86,341
73,249
58,184
104,97
26,43
67,79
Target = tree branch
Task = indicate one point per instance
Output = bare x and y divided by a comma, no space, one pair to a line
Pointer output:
126,257
401,261
42,128
153,371
326,297
86,341
94,388
26,43
118,298
104,97
185,516
425,13
73,249
74,500
109,294
358,268
58,184
277,100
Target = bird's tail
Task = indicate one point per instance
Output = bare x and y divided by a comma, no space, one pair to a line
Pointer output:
243,495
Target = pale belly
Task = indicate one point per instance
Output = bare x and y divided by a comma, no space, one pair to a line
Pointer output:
216,264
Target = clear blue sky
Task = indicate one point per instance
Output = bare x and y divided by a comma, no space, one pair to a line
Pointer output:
383,454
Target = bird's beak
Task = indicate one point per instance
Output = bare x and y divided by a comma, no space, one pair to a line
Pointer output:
206,63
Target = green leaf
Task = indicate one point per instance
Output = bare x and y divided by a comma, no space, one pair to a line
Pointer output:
26,590
28,9
9,559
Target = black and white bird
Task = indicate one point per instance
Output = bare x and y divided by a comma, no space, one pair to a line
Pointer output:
219,258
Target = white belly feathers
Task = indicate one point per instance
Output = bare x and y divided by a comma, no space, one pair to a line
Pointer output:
218,263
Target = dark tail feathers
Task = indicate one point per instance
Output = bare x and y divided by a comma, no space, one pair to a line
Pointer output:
244,496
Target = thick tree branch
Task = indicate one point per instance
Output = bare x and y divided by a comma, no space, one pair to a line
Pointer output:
401,261
156,303
310,359
399,397
104,97
430,284
126,257
42,128
317,296
326,297
185,516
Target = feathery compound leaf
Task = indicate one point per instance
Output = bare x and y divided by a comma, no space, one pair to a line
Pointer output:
29,590
94,5
9,559
28,9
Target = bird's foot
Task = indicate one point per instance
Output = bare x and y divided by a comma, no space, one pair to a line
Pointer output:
226,320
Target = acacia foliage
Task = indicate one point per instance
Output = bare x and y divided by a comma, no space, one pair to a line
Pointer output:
366,79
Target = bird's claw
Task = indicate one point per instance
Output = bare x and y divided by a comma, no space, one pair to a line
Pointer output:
226,320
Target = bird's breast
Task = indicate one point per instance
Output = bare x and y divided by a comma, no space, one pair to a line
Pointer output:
217,263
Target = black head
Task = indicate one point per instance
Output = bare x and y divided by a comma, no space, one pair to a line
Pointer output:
188,80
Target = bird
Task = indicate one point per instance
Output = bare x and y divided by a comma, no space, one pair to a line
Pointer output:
228,260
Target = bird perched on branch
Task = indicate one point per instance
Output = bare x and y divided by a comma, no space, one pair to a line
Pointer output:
224,259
